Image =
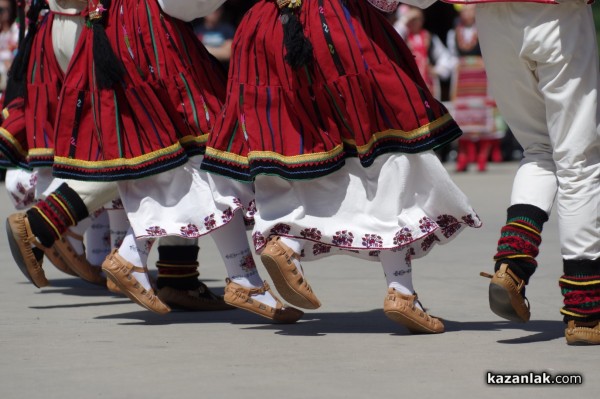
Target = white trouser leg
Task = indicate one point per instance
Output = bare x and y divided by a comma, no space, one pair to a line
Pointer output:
542,65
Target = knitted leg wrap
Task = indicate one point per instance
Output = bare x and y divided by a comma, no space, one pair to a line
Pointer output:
50,218
178,267
580,286
520,239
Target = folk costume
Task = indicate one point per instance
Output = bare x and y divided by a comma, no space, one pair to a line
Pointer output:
139,98
473,107
27,132
328,117
542,64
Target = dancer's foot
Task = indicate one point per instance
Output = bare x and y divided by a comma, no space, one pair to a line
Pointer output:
583,333
288,280
78,262
22,242
245,298
403,309
507,295
120,272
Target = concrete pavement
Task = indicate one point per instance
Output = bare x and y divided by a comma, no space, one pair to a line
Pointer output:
74,340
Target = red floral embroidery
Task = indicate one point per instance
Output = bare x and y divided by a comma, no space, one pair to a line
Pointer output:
311,234
247,263
428,242
33,179
372,241
227,215
191,230
209,222
280,228
117,204
426,224
258,239
469,220
319,248
343,238
403,237
449,225
251,208
156,231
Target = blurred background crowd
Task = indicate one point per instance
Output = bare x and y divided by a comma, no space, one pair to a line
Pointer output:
443,39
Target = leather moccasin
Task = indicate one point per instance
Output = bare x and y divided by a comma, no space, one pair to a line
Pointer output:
119,271
402,309
288,280
241,297
582,333
507,295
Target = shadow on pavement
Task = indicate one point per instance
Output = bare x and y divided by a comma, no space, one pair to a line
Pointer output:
321,324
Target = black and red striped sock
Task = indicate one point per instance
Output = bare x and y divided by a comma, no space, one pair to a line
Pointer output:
178,267
580,287
520,239
51,217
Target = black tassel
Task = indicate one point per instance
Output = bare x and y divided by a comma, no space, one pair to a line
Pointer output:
299,48
107,67
16,84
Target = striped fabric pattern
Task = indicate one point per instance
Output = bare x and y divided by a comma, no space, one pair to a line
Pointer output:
519,240
362,96
51,217
27,132
581,296
156,118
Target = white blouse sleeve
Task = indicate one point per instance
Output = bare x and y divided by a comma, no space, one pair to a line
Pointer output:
188,10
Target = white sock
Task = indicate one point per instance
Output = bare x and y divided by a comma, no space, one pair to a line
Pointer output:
97,238
297,246
398,271
136,251
119,224
232,242
79,229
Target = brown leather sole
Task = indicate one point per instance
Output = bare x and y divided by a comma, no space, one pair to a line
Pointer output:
119,271
402,309
20,239
505,295
288,281
241,297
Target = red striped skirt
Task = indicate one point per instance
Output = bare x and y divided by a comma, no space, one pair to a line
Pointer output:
27,132
474,110
362,95
160,114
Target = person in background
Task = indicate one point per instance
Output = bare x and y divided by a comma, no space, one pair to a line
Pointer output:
9,37
433,58
472,106
216,35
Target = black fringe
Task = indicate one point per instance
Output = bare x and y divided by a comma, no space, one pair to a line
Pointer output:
299,48
107,67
